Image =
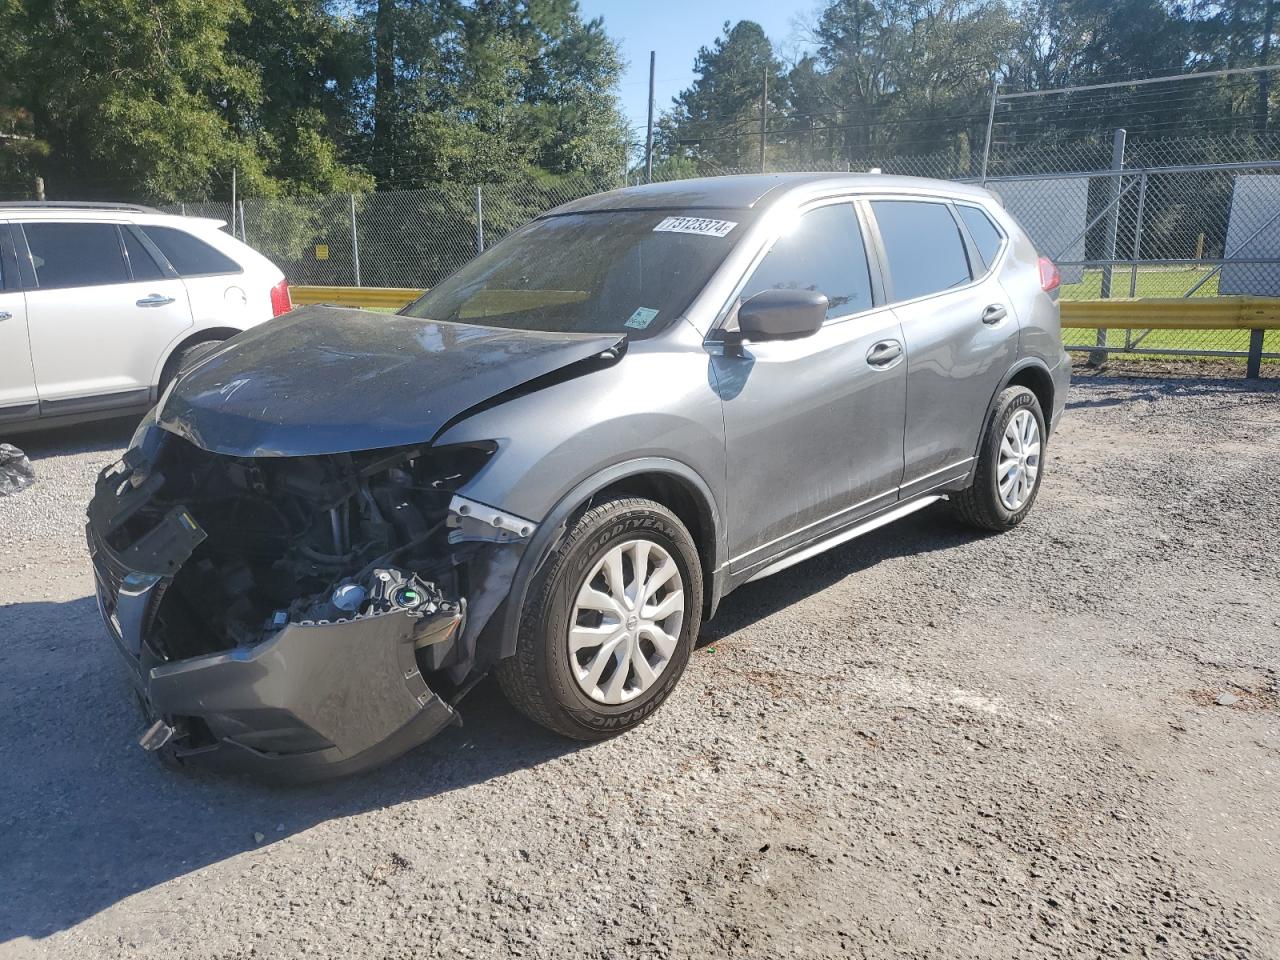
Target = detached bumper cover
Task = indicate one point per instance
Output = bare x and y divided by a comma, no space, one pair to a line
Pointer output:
311,701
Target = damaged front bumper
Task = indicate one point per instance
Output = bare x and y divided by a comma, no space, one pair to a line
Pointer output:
315,696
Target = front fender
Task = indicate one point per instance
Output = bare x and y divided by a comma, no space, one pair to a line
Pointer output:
552,529
560,445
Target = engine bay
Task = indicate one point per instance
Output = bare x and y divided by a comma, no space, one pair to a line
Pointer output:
306,540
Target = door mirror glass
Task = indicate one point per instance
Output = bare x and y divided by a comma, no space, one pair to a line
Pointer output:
782,315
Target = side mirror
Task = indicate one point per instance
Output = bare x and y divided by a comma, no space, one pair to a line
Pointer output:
782,315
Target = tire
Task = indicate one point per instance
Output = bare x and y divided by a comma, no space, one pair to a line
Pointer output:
982,504
545,679
184,359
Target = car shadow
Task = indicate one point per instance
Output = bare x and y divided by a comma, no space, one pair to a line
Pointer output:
924,532
100,436
88,819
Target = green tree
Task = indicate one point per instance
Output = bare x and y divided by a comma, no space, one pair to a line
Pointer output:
125,95
304,107
906,76
717,119
490,90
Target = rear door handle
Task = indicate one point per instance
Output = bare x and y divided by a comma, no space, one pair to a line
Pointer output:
994,313
5,315
155,300
885,353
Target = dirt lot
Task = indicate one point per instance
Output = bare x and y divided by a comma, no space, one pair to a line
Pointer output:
925,744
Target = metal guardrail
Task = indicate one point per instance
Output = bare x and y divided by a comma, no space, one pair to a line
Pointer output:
376,297
1174,313
1255,314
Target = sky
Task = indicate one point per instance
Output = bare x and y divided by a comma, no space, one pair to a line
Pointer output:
675,29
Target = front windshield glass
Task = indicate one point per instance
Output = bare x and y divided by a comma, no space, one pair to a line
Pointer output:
629,272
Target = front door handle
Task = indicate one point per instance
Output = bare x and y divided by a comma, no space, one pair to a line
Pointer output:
885,353
994,313
5,315
155,300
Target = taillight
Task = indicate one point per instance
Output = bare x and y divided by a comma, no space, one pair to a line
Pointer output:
280,302
1050,279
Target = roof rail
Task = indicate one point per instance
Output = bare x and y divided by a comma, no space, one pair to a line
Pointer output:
73,205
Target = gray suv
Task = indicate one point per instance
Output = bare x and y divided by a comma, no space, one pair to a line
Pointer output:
556,463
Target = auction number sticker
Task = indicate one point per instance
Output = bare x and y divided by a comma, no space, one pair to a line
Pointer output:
699,225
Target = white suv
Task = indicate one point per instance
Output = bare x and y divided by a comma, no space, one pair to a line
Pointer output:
100,304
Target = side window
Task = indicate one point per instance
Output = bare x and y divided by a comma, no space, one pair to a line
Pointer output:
76,254
985,234
190,256
923,246
824,252
142,265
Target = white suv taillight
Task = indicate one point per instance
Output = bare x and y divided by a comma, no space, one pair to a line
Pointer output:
280,302
1050,279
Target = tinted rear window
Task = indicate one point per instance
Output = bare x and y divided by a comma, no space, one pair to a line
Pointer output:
630,271
923,245
190,256
985,234
76,254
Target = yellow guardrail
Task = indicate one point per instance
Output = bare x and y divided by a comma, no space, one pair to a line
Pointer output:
1199,313
1145,313
393,297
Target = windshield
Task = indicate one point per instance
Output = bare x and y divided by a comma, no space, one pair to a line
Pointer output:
629,272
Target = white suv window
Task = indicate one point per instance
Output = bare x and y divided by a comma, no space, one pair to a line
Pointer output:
76,254
190,256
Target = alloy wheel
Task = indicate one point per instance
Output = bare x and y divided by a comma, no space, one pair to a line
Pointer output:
1019,461
626,622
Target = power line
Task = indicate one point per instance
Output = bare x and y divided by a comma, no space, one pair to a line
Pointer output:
1138,83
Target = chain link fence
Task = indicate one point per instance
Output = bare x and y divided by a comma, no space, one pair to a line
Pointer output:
396,238
1173,218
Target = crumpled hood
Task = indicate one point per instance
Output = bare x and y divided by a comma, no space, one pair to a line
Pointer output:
323,380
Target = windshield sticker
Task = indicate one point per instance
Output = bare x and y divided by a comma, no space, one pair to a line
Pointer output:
641,318
699,225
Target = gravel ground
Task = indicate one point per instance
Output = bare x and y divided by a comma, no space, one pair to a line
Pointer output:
927,743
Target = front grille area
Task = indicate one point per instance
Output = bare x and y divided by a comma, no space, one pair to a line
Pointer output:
109,571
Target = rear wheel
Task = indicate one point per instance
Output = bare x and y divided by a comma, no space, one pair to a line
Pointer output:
1010,464
609,627
184,359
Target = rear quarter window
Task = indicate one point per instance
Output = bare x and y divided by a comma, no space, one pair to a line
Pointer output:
986,235
190,255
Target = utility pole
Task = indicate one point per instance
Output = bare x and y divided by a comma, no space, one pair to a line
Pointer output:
648,137
40,189
764,116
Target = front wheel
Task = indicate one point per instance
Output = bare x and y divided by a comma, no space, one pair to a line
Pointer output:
1010,464
609,626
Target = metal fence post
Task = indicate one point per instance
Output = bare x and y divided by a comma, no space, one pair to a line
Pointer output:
243,238
991,121
479,218
1137,234
1253,366
355,241
1099,356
